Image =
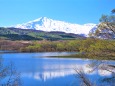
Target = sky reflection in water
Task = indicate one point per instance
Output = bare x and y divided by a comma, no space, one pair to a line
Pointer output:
36,69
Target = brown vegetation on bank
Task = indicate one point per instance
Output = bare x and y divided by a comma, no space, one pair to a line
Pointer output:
13,45
88,48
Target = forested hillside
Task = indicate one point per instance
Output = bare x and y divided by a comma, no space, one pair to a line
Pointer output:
24,34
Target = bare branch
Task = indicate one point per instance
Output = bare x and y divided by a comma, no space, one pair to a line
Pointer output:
83,78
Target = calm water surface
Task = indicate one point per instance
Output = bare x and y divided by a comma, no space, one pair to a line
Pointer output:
38,70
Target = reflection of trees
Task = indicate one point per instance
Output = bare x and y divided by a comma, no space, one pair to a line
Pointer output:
8,75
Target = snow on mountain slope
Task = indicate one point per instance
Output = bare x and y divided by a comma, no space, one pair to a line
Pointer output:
47,24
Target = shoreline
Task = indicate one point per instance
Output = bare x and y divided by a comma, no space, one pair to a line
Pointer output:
72,56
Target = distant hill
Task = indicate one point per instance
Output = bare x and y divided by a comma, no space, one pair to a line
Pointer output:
29,34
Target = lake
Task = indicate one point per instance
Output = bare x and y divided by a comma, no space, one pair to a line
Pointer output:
39,69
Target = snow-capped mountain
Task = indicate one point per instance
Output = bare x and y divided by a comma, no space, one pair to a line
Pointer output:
47,24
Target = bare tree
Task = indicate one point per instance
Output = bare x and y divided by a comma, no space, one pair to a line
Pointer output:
107,25
8,75
84,80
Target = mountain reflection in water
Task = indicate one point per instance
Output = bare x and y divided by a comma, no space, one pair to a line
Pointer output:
37,70
49,74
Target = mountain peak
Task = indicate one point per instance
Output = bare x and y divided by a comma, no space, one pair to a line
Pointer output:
47,24
39,19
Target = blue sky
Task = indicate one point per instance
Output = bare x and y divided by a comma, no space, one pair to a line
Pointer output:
14,12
